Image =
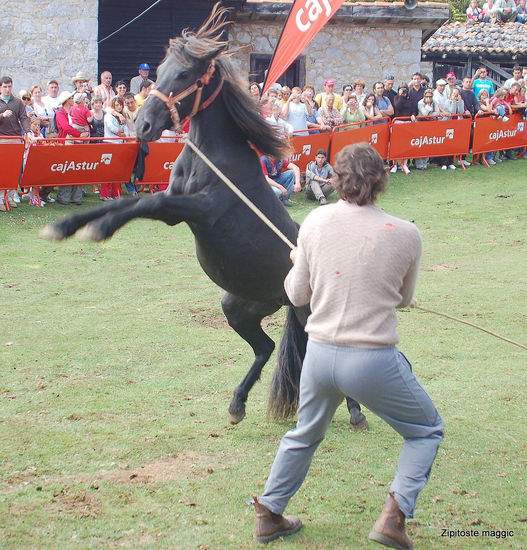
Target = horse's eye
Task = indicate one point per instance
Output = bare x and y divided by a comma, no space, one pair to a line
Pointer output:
184,74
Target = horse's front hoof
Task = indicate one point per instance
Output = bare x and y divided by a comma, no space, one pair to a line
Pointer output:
51,232
358,422
236,413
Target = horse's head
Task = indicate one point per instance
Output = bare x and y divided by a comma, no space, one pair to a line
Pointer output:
183,79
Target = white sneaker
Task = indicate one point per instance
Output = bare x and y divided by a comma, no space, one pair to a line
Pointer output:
491,162
393,169
466,162
452,167
16,196
505,119
443,167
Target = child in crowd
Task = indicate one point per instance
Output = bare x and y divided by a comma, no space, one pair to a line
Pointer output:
34,124
80,116
499,103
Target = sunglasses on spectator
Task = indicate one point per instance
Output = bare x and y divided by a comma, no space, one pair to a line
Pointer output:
348,89
25,98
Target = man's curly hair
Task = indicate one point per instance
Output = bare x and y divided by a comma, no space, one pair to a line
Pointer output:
360,174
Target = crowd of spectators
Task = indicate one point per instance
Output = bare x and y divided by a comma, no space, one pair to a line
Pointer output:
105,110
99,111
298,111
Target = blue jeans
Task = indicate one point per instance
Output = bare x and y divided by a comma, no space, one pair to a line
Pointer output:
285,179
383,381
501,110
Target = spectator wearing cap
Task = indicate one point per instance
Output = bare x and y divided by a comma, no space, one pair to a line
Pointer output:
389,92
135,82
329,85
104,90
521,14
318,178
451,84
69,193
51,100
82,84
440,97
144,90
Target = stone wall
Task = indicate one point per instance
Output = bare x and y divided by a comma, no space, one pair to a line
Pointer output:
48,39
341,50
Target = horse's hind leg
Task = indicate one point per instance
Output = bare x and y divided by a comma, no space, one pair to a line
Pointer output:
357,419
245,317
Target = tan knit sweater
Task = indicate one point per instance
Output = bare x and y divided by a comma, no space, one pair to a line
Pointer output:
354,265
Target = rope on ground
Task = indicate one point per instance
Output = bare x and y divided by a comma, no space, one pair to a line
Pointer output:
273,227
469,324
235,190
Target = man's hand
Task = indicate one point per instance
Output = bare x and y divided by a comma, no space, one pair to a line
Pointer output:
297,188
7,113
283,190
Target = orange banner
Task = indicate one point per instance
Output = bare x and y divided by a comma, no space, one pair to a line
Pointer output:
160,160
305,148
377,134
11,156
491,134
56,164
304,21
429,138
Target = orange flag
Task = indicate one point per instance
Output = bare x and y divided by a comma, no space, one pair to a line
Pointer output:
304,21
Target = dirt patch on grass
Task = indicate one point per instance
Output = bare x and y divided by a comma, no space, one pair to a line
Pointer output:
206,318
180,466
81,504
172,468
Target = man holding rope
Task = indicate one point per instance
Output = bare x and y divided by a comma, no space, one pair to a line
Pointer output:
354,291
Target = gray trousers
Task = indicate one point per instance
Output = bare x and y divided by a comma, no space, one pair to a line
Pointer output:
315,191
69,193
383,381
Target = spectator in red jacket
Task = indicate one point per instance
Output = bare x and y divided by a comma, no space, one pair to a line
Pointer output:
69,193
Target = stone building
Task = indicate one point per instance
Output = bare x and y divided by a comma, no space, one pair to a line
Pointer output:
58,38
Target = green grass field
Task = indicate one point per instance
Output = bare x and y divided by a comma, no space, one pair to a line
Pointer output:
117,369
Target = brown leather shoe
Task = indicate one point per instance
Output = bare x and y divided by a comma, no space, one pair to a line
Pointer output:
270,526
389,528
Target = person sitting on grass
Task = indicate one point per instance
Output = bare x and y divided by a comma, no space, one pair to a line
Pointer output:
318,178
283,177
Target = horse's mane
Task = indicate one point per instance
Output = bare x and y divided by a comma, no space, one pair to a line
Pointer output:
193,47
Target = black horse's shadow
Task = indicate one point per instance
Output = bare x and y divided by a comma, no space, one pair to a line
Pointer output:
234,248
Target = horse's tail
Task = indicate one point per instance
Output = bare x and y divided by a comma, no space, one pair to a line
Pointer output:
283,396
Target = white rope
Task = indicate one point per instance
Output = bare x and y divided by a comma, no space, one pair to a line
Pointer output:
235,190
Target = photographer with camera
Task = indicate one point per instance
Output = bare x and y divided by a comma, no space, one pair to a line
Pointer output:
296,110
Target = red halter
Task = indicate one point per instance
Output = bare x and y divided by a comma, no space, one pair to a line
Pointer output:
171,100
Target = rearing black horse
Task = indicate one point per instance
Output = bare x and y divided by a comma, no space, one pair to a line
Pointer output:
234,248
